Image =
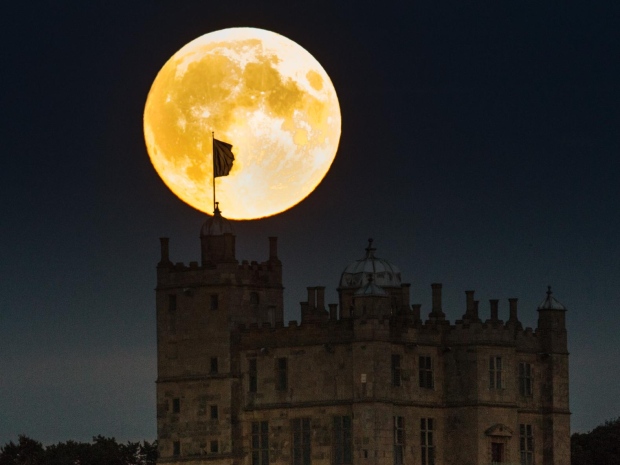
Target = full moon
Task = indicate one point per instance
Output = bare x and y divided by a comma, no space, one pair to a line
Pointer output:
258,91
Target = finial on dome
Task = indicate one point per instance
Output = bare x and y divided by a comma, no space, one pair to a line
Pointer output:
370,249
549,291
217,211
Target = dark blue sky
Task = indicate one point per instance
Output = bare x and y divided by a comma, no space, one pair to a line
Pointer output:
479,149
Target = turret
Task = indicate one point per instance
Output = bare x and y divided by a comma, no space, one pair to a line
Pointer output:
372,277
217,241
552,324
554,391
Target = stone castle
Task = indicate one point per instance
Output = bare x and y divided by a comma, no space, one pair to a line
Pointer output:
364,381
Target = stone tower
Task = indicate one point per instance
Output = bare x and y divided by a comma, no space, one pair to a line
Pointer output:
197,307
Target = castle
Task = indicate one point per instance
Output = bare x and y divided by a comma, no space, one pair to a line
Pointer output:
364,381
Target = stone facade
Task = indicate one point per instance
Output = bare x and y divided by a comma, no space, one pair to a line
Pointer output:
369,383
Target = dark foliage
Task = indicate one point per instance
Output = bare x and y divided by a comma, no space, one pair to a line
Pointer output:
601,446
26,452
102,451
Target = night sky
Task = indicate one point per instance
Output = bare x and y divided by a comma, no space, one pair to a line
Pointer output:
479,149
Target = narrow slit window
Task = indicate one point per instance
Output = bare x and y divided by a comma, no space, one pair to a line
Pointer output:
396,373
495,373
282,374
252,376
399,440
427,442
525,379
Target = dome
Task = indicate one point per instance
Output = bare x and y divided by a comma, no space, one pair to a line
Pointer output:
381,272
370,290
216,225
550,303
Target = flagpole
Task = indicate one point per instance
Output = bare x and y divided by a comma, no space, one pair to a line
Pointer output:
213,158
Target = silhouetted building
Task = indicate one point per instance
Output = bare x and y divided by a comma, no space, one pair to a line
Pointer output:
366,381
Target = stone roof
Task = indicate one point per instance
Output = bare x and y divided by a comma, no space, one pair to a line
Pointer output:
216,225
550,302
370,268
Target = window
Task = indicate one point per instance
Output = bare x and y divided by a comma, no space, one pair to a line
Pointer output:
301,441
214,369
176,405
526,444
214,304
214,447
495,373
399,440
254,299
176,448
525,379
395,370
426,372
281,374
342,443
214,413
253,376
260,443
426,441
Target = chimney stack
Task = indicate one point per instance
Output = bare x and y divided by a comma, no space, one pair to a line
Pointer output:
305,317
311,298
436,312
320,298
513,310
436,287
471,307
469,302
415,311
333,311
405,294
494,309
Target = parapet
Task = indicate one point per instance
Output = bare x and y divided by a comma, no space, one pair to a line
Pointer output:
171,274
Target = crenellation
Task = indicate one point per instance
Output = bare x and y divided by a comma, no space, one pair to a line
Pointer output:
358,376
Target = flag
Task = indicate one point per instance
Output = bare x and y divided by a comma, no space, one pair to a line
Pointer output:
222,158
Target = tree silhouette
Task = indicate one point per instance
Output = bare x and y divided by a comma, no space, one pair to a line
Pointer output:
102,451
26,452
601,446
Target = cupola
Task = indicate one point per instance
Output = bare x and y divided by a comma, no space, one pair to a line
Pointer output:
217,240
370,268
550,302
